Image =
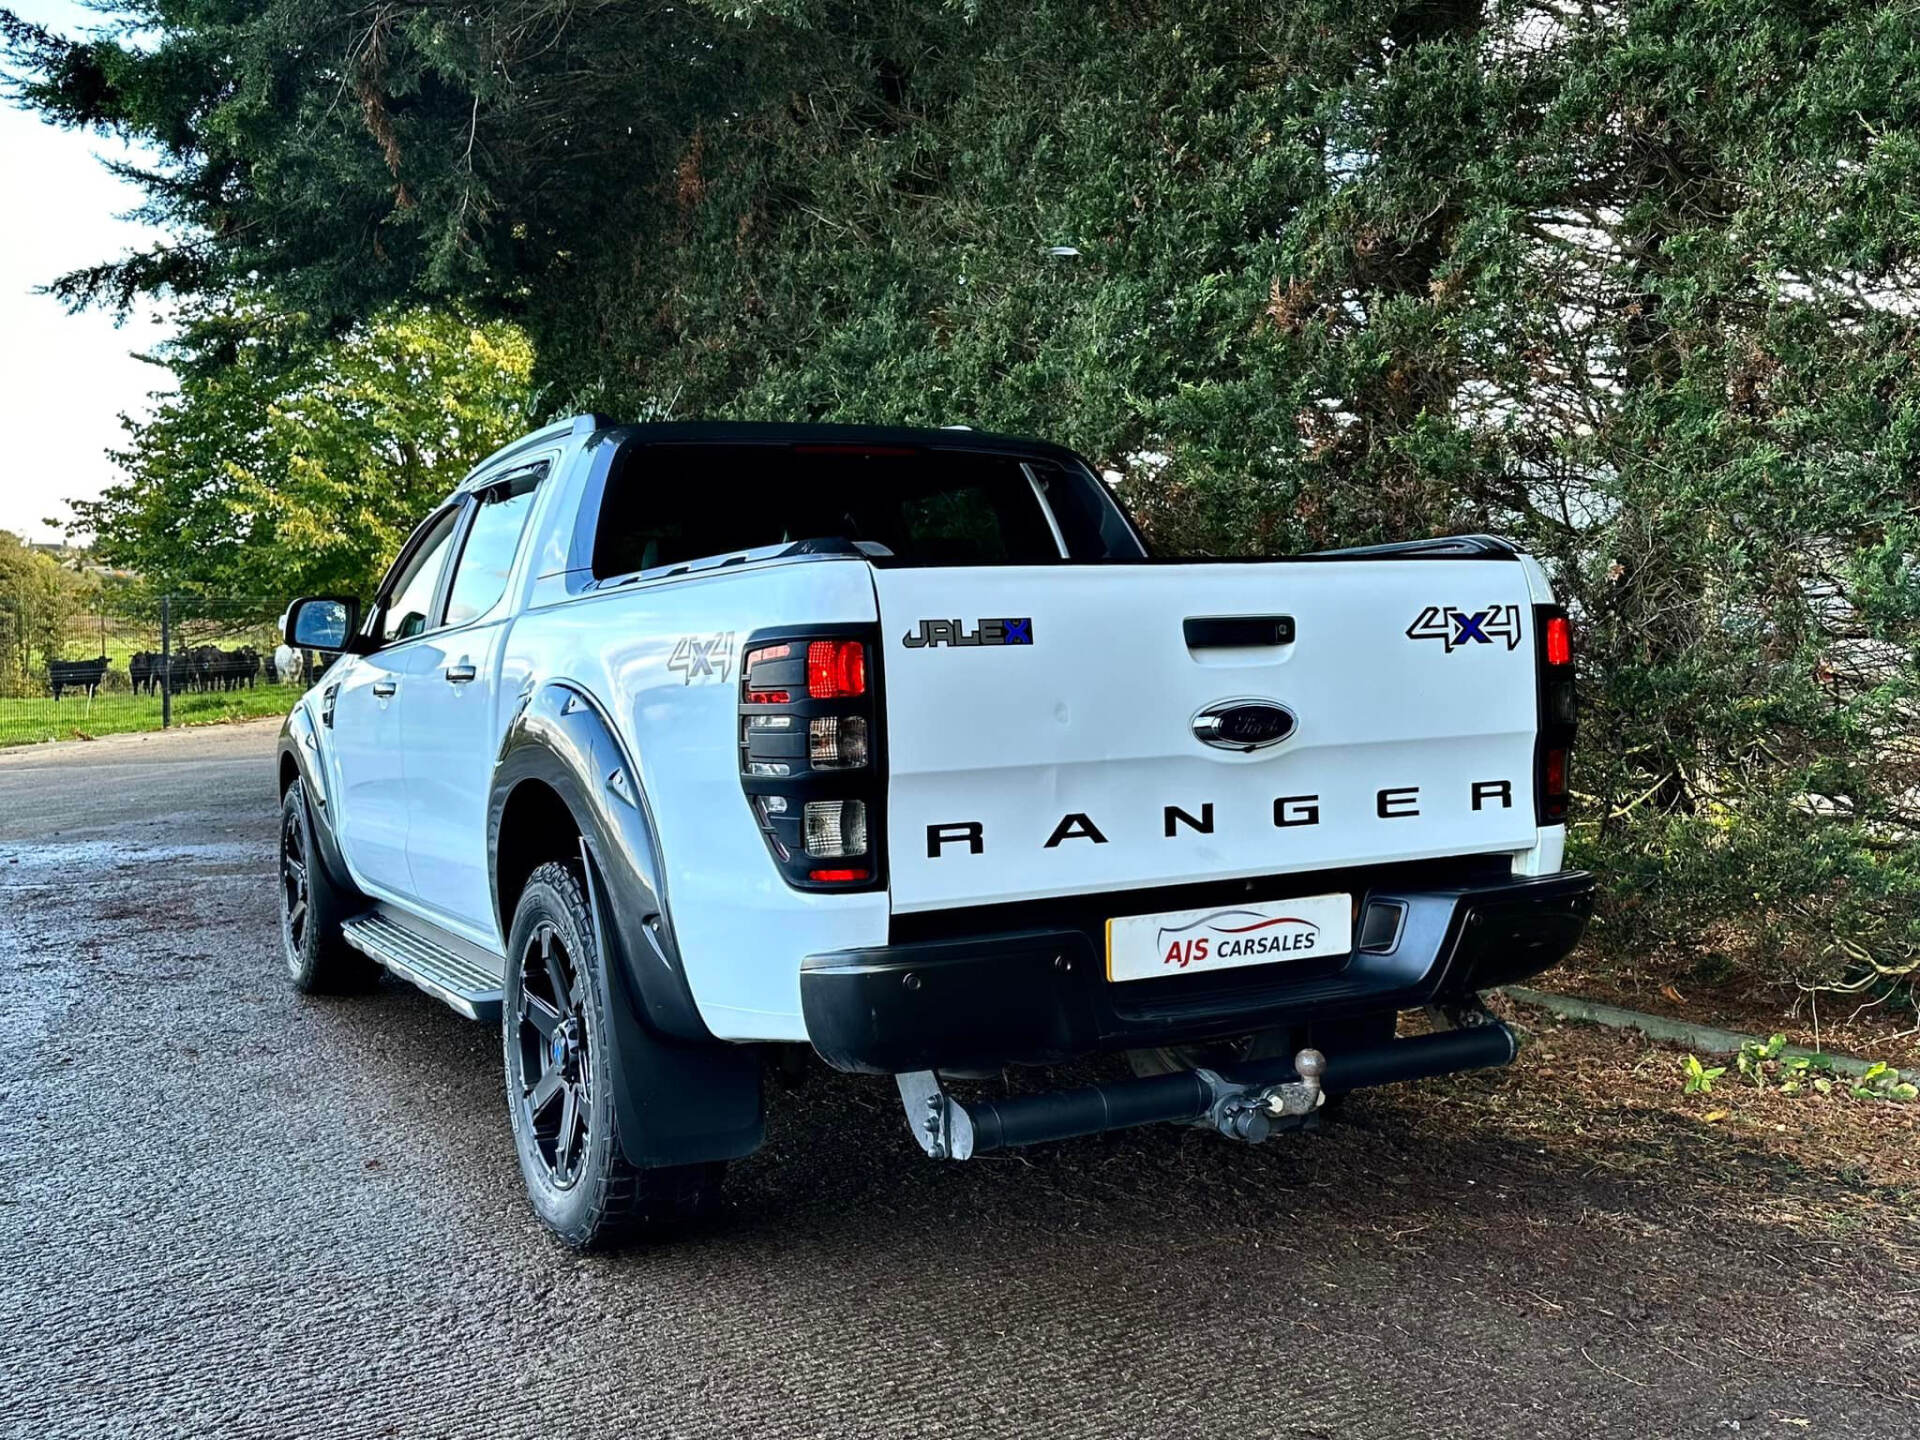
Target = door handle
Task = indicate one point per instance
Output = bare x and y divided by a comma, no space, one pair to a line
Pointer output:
459,674
385,689
1223,632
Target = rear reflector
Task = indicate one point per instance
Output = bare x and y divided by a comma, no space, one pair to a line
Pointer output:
836,668
1559,641
836,876
766,697
1554,802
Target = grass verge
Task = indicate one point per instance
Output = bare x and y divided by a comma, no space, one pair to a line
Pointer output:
28,722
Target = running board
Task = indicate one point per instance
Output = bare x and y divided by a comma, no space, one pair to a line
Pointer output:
462,980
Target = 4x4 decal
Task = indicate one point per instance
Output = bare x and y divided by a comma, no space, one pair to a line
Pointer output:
1454,627
702,657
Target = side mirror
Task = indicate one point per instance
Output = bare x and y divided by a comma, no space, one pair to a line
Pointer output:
322,622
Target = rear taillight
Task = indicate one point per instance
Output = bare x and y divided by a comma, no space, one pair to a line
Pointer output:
836,668
764,662
810,759
1559,636
1558,713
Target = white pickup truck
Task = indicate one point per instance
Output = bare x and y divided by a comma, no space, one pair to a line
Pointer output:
669,745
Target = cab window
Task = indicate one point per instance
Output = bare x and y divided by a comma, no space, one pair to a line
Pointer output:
667,504
409,595
480,575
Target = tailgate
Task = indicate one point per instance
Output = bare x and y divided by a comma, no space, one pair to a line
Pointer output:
1050,757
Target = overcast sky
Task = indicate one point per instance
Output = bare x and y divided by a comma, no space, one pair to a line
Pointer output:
64,379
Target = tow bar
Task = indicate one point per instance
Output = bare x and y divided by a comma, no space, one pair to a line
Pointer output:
1247,1104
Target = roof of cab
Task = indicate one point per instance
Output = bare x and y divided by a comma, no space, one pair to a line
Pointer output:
745,432
546,434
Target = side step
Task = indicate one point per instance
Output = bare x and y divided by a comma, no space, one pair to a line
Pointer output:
460,978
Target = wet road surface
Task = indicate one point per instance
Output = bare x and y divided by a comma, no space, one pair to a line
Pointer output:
229,1210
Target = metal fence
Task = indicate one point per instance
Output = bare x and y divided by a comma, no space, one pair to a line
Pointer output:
175,660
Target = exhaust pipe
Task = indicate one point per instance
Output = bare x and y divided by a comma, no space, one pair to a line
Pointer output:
1485,1046
1242,1104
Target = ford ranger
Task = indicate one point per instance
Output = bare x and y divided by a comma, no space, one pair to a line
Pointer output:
666,746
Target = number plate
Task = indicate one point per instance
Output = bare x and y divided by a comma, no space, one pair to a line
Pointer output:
1224,937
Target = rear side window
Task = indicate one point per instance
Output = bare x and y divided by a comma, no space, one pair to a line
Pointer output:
669,504
480,576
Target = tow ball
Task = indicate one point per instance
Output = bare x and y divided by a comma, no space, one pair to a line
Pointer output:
1248,1113
949,1129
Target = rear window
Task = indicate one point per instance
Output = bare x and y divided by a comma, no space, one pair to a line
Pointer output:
668,504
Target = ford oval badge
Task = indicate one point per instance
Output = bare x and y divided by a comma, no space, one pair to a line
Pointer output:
1246,724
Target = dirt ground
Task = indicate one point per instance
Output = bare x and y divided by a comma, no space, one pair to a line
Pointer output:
229,1210
1869,1027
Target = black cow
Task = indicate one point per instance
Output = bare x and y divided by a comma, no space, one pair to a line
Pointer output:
185,670
198,667
143,669
76,675
237,669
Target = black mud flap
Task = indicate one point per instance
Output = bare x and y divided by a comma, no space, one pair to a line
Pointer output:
677,1103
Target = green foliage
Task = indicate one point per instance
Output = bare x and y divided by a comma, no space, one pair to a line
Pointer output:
1755,1059
1765,1062
1700,1078
294,467
1638,283
38,597
1883,1082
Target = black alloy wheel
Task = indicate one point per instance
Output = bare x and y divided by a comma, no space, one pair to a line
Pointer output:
296,884
564,1067
551,1029
312,906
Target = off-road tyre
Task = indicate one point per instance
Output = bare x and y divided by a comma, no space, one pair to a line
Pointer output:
319,960
586,1191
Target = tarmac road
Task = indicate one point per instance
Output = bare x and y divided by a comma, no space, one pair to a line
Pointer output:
226,1209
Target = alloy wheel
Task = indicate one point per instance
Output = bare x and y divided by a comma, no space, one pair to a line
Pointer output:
296,893
555,1079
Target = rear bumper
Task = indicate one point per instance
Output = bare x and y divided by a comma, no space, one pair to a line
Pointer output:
1041,996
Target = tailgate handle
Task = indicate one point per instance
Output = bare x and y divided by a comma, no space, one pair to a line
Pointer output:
1228,632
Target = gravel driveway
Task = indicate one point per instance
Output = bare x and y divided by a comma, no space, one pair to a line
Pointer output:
226,1209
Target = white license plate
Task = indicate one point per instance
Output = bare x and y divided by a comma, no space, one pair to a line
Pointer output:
1224,937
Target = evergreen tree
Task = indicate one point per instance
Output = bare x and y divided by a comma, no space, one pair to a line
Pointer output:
1637,282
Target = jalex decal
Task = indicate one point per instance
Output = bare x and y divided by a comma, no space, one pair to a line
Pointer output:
1007,631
